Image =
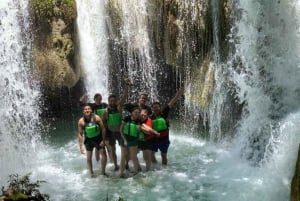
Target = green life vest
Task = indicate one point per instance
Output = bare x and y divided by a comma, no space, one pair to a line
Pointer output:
141,136
92,130
159,124
131,129
99,111
114,119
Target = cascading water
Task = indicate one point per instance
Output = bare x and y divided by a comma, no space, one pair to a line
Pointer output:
265,71
19,125
197,170
93,45
140,60
218,100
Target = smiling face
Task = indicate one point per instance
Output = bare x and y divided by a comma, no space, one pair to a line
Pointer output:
87,111
135,114
112,101
144,115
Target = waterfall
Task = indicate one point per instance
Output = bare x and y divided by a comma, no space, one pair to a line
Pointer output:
19,125
142,67
93,45
264,68
218,98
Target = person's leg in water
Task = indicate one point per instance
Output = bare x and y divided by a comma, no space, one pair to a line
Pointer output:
147,158
103,160
97,155
153,158
89,155
133,150
109,154
164,159
114,156
111,146
124,153
163,147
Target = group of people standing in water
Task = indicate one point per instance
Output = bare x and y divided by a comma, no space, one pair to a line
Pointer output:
144,129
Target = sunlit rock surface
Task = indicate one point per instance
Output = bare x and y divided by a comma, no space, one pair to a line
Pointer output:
54,42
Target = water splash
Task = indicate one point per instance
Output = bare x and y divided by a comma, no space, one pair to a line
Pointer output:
20,129
264,69
93,45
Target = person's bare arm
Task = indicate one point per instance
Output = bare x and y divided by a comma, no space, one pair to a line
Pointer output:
122,135
148,130
80,135
124,95
178,94
104,117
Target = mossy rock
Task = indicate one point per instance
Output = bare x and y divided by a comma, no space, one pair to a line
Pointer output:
46,10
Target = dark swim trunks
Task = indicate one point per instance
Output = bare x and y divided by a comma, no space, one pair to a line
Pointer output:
91,143
112,137
163,146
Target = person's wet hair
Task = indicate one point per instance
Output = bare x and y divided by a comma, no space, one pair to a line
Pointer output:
131,107
86,104
112,96
155,103
134,108
96,95
145,95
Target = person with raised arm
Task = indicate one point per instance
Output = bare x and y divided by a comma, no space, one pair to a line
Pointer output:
112,118
160,123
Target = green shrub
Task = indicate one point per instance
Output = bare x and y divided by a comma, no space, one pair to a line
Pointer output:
43,10
23,189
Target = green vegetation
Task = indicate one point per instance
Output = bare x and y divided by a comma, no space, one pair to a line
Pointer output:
23,189
46,10
43,10
68,8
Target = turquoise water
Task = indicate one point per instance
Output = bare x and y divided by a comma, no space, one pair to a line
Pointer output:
197,170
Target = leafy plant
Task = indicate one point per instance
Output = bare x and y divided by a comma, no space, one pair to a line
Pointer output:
21,188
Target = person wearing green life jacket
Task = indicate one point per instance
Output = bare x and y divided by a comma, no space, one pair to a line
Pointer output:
112,118
147,137
130,131
98,107
92,134
160,123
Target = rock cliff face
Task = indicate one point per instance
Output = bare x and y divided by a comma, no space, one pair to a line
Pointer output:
180,33
55,52
182,38
54,42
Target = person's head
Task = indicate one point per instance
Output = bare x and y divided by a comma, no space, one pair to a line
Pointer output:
135,113
112,100
98,98
143,99
87,110
156,109
144,115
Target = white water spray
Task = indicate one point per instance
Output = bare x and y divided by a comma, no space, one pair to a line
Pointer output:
135,34
265,71
93,45
19,125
